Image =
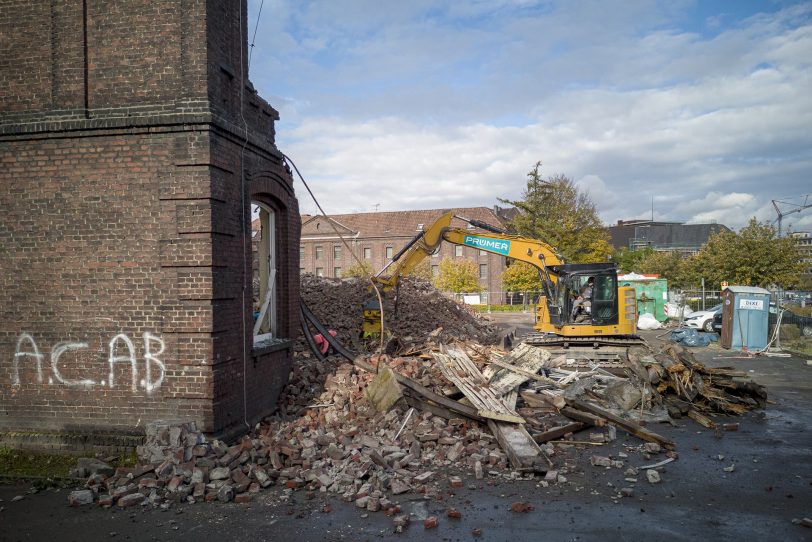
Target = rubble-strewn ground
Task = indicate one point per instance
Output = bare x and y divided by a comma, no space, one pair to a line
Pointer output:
725,485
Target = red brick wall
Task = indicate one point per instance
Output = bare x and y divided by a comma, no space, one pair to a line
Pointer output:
122,239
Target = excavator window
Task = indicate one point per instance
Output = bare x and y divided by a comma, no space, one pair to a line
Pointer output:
604,300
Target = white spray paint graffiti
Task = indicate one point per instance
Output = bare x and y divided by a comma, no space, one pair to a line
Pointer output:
121,349
18,354
112,359
151,358
58,350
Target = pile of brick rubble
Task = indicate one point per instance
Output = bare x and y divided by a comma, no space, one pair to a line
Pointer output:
421,309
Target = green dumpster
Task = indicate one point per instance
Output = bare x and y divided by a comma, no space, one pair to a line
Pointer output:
652,293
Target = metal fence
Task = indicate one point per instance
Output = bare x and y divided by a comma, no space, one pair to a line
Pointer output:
499,300
696,300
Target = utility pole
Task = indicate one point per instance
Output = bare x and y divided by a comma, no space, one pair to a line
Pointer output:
795,208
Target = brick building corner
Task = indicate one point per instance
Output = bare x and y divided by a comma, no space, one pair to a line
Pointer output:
133,149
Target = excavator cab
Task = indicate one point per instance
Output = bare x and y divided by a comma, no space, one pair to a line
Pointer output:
584,294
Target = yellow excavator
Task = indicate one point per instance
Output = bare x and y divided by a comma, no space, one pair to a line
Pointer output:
564,317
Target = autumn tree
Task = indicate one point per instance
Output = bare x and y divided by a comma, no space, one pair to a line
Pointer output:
754,256
361,269
458,275
422,270
521,277
556,212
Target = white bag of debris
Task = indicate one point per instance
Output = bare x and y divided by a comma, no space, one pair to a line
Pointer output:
647,321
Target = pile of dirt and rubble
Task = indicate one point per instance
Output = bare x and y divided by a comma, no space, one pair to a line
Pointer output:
422,423
421,309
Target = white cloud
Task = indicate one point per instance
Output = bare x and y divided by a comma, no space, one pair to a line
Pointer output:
402,106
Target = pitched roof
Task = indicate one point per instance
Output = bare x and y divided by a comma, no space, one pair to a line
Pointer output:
395,223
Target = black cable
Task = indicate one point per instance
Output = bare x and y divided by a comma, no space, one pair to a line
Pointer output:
254,38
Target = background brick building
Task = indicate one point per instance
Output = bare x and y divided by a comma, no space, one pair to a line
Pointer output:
131,147
376,237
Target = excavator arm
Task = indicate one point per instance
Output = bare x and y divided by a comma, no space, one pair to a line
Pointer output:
613,309
534,252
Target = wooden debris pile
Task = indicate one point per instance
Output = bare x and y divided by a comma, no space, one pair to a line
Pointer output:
523,408
689,388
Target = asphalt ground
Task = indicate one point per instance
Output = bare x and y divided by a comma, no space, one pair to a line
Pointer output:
700,496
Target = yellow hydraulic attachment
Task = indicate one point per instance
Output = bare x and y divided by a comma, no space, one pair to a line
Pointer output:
372,319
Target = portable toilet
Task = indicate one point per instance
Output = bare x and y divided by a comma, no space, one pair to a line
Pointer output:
651,292
745,318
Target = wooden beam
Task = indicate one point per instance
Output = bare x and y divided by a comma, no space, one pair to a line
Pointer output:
628,426
584,417
559,432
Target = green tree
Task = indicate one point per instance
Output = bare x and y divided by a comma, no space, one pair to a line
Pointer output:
521,277
362,269
458,276
556,212
628,261
673,266
754,256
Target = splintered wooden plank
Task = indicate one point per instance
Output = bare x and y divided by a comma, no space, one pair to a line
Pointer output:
514,439
701,419
522,364
520,376
458,368
510,399
500,417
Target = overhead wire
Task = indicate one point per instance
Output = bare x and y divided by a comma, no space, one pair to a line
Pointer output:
254,38
344,242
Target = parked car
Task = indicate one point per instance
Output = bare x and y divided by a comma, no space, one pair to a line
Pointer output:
703,319
716,323
804,323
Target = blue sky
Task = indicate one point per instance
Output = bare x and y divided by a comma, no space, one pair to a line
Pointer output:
704,106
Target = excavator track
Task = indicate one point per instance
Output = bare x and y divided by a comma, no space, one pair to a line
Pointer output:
586,352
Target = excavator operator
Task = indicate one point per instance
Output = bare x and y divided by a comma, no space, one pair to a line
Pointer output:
582,305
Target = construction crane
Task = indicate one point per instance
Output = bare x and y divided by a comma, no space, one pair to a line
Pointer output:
795,208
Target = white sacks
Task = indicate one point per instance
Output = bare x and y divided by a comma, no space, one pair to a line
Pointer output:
647,321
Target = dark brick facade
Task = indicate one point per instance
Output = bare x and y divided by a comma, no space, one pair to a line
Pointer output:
127,168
